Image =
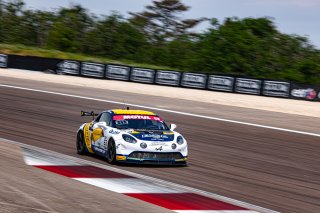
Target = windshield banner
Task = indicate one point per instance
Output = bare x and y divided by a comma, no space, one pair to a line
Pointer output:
136,117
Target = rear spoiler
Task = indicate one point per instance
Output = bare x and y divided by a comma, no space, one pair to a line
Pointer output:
83,113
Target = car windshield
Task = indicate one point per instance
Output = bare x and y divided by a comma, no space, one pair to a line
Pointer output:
140,122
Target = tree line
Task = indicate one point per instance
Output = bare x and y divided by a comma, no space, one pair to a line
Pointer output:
158,35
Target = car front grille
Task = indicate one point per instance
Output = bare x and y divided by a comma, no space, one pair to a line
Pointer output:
155,156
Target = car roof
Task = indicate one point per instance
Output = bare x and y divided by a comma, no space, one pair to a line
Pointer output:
131,112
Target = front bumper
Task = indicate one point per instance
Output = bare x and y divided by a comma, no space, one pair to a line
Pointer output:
163,158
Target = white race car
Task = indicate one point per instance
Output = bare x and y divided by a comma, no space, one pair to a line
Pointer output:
132,136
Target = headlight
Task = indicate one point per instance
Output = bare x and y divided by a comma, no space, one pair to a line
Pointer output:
129,138
180,140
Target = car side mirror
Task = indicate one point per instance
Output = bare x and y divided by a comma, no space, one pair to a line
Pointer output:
172,127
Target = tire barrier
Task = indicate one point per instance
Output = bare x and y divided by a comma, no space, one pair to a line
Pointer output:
223,83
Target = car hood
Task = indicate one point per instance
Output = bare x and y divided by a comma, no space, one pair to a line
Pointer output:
150,135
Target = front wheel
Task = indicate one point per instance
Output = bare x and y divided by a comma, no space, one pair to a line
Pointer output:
81,146
111,156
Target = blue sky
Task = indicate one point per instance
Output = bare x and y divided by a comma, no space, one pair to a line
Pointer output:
300,17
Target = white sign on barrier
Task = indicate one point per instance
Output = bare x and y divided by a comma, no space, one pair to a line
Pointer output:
92,69
194,80
249,86
69,67
3,61
276,88
222,83
117,72
168,77
142,75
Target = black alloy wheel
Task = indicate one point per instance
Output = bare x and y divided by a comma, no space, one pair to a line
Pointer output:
81,146
111,158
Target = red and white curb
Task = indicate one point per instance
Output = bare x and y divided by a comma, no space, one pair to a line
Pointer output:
168,195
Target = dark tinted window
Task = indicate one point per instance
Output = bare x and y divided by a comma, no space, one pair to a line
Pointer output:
98,118
105,117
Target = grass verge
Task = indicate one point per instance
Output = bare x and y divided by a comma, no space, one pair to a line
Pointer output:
23,50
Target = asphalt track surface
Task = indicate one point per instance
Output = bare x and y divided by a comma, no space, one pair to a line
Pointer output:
269,168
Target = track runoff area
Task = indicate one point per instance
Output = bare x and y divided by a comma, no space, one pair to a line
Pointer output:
171,196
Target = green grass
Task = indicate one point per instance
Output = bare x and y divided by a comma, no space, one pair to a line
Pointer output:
23,50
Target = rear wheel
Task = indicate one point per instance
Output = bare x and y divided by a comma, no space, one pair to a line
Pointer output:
111,157
81,146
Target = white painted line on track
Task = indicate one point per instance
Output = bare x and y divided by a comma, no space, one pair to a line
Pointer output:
143,177
128,185
39,159
164,110
215,211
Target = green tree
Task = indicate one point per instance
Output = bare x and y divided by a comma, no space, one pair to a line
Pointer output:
2,11
35,27
11,19
69,29
114,37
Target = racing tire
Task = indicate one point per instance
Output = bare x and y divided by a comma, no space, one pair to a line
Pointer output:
111,153
81,146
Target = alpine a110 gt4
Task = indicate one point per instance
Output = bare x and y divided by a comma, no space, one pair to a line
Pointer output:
131,136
